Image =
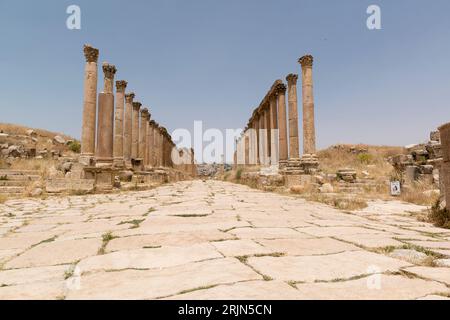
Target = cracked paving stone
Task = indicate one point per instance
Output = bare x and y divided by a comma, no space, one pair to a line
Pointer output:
305,247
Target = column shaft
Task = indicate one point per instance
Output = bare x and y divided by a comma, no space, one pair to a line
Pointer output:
128,129
273,113
119,123
293,117
89,103
282,126
309,135
135,131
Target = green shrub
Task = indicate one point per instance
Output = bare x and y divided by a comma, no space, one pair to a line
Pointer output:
75,146
365,158
238,174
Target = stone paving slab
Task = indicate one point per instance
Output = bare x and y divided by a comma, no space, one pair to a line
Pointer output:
149,258
326,267
55,252
151,284
306,247
437,274
375,287
180,241
249,290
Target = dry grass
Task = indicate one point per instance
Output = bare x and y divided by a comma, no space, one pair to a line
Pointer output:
340,202
415,194
3,198
440,217
374,161
15,129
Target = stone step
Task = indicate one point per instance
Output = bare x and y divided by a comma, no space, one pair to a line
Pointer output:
12,190
19,177
18,172
14,183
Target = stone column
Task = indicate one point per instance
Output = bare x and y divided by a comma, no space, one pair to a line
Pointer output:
149,142
105,123
256,127
262,137
273,113
268,133
444,170
119,123
135,131
247,148
293,116
128,128
89,105
282,126
152,144
143,135
309,135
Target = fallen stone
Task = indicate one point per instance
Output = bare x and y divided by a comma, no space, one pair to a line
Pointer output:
59,140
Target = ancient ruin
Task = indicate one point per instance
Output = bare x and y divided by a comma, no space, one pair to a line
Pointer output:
126,138
265,140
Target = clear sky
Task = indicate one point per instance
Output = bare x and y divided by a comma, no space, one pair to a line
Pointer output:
213,60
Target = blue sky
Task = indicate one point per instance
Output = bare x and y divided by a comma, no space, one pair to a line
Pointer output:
214,61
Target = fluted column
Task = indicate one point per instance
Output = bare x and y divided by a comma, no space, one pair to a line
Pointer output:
293,116
89,105
119,124
273,117
143,135
105,123
135,131
309,134
282,126
128,128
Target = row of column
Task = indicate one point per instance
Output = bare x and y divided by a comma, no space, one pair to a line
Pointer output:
265,139
123,135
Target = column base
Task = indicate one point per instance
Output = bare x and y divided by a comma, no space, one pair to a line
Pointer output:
103,162
119,163
86,159
282,164
310,163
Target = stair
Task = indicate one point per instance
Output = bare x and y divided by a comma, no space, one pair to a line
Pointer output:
14,182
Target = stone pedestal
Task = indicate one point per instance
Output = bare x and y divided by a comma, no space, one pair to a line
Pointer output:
89,106
105,124
103,177
411,174
119,124
309,163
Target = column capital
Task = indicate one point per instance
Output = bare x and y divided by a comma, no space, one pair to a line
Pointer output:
121,85
152,123
90,53
292,79
145,114
137,105
306,61
109,70
129,96
280,89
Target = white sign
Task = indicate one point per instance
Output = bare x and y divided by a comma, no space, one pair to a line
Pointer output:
395,188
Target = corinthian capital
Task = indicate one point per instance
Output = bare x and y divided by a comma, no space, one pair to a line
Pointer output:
292,78
129,97
109,70
280,89
137,105
306,61
90,53
121,85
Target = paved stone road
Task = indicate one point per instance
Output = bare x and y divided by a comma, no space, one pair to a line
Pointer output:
215,240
